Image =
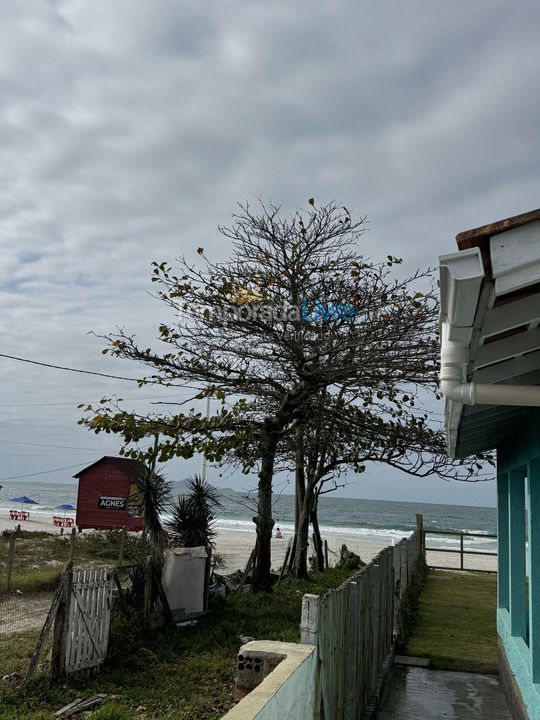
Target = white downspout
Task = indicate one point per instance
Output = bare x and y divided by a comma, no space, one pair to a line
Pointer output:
454,357
481,394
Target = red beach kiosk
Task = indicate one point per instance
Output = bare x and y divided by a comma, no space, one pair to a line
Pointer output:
105,498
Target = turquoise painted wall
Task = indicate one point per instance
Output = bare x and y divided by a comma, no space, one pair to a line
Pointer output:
518,614
521,445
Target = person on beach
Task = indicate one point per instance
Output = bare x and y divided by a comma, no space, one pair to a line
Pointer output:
278,533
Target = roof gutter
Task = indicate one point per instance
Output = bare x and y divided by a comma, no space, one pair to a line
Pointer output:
462,275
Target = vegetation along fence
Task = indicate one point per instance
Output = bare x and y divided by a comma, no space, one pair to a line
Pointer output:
356,628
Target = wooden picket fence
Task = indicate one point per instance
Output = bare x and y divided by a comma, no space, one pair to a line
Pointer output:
355,628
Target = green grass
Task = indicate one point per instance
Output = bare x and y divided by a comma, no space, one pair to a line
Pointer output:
110,711
456,626
184,674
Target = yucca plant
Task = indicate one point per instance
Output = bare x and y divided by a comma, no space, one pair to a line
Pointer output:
153,496
193,515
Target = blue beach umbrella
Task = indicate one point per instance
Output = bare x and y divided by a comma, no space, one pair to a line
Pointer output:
24,500
65,508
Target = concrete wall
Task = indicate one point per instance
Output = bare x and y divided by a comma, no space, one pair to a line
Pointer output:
288,692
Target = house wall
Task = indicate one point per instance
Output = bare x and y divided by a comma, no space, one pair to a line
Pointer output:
518,604
104,480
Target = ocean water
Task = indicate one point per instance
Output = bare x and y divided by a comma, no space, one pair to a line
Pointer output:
354,519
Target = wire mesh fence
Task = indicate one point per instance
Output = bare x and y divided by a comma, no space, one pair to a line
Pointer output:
31,569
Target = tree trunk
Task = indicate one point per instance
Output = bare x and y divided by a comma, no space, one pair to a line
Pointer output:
319,552
264,521
300,569
301,521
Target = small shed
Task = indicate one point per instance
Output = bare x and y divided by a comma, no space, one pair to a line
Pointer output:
105,497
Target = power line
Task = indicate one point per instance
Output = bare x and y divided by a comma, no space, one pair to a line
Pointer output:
81,402
62,447
92,372
42,472
47,455
69,369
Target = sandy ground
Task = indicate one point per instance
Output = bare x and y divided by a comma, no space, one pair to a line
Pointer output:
235,547
36,523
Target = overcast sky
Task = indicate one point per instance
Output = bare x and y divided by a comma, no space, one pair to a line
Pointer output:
129,130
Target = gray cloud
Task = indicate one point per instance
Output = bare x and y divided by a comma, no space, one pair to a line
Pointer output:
129,130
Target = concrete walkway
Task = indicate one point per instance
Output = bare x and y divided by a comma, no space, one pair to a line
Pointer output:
422,694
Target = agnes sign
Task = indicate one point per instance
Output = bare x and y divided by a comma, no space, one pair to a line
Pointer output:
111,503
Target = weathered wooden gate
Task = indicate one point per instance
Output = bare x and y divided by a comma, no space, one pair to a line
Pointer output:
83,621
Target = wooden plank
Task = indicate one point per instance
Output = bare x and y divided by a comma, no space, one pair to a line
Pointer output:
102,614
81,638
120,590
341,630
455,532
322,641
245,574
67,708
350,655
96,607
163,599
60,636
284,566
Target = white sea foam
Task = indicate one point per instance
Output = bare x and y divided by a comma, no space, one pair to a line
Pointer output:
357,533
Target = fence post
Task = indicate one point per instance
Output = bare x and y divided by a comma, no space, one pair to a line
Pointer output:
421,539
122,543
72,545
404,567
309,624
309,635
11,554
148,589
461,551
61,626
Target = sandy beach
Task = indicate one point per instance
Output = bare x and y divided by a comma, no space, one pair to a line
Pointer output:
36,523
234,547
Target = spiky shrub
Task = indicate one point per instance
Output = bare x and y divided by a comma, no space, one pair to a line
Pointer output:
193,515
153,497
